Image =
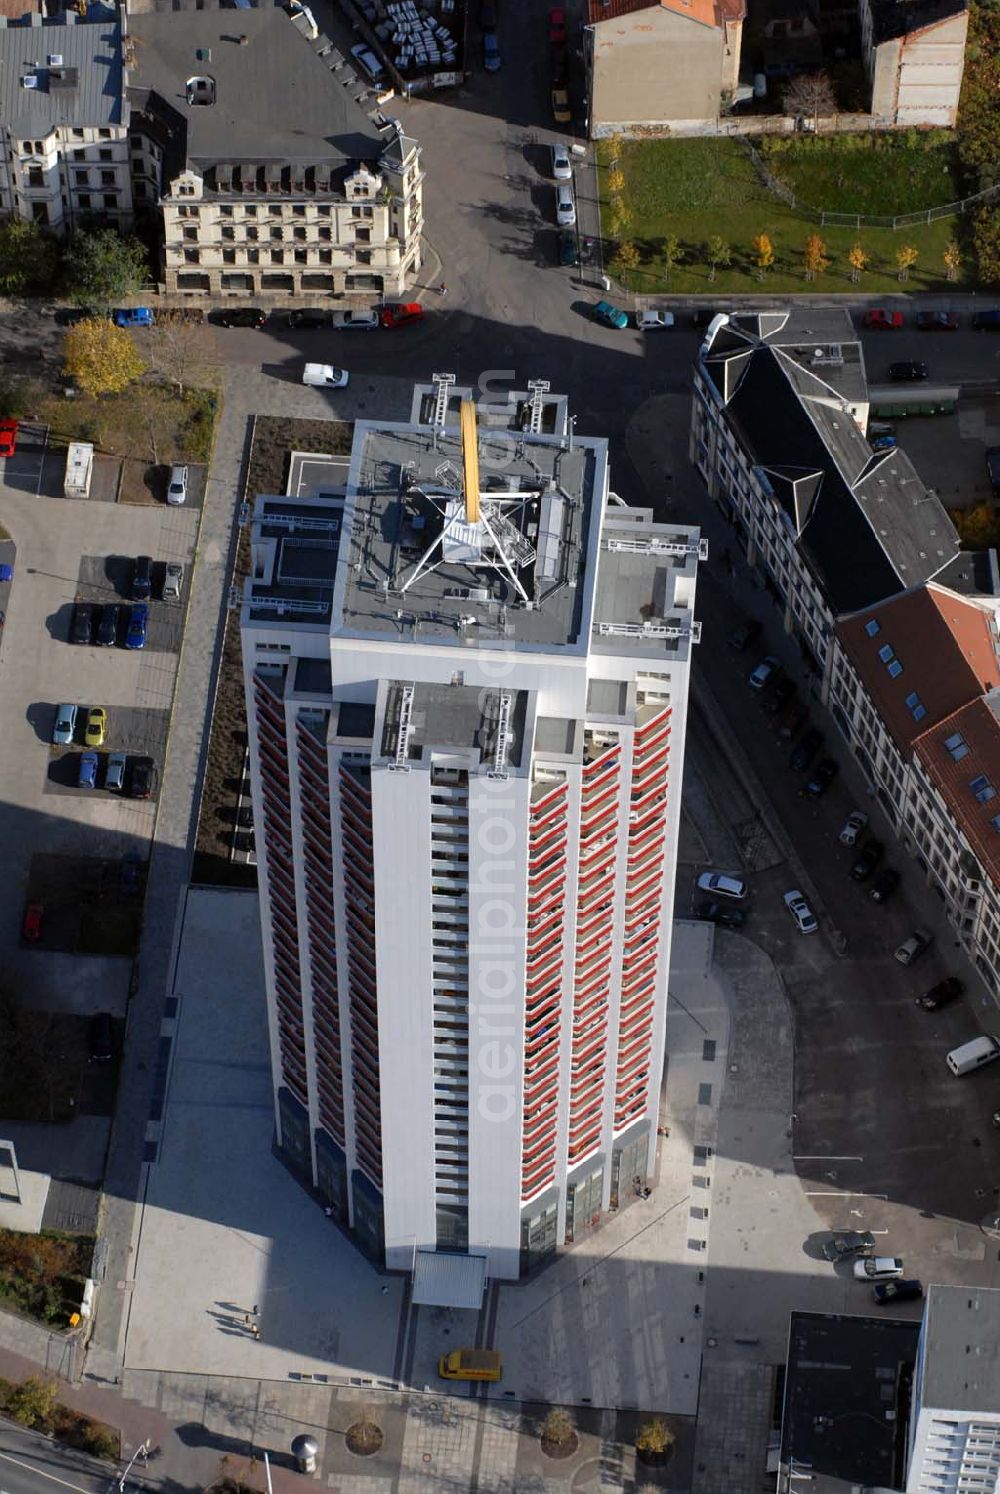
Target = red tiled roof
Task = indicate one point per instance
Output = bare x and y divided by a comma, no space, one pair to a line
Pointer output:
969,786
947,650
705,12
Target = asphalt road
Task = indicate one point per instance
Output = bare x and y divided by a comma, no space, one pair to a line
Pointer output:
32,1464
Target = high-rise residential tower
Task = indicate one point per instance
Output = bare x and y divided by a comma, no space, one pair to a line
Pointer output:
467,670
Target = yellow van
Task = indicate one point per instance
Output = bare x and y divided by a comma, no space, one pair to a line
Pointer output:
470,1364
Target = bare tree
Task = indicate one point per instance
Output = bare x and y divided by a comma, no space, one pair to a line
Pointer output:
179,352
810,94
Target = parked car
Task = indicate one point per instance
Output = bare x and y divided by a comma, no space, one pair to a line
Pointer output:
900,1290
565,205
764,673
354,321
491,52
107,628
907,372
557,25
867,859
135,635
142,578
87,770
367,61
82,628
878,1268
64,727
8,437
884,443
844,1244
722,884
562,166
937,321
793,721
943,994
853,826
133,316
744,634
401,314
775,700
805,918
561,112
805,750
912,948
177,487
31,923
568,253
102,1037
604,312
242,316
823,775
883,321
97,727
309,317
884,885
173,581
986,321
325,376
141,777
557,64
114,772
721,913
654,321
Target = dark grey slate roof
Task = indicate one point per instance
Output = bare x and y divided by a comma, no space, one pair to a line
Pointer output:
866,525
276,99
89,90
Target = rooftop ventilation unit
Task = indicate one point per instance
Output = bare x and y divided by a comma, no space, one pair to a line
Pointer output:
29,80
55,59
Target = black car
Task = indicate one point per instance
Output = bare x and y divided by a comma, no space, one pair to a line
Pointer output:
867,860
68,316
897,1291
142,578
805,750
82,629
986,321
242,316
846,1243
314,316
884,885
943,994
910,372
102,1037
792,722
744,634
824,773
729,918
107,628
567,248
775,700
141,777
937,321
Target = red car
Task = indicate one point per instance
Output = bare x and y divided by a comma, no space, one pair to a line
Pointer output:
883,321
31,928
557,25
401,315
8,437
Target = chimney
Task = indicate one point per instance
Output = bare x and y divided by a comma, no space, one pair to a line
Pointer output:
36,18
243,39
69,19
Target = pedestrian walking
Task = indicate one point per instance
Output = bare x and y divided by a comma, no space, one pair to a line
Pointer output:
255,1330
442,289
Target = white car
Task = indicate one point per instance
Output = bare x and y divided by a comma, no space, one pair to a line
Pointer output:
853,826
562,166
878,1268
177,487
800,910
173,581
565,206
365,58
761,676
64,729
653,321
364,321
722,884
325,376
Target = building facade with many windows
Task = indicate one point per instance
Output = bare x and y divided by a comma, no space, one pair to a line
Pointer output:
467,677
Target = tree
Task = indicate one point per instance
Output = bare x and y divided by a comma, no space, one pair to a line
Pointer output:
977,527
763,251
811,94
857,258
906,257
986,244
557,1428
626,256
616,181
815,256
718,254
952,260
101,357
102,268
178,352
655,1438
28,258
32,1403
673,254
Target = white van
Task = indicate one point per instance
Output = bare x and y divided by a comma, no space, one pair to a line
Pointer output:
973,1055
325,376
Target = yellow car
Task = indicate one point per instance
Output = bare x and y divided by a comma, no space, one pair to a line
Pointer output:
561,112
97,726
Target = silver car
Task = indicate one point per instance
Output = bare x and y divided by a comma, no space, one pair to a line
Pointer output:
114,772
173,581
64,729
177,488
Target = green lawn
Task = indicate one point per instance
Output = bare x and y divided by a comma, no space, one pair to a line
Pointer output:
876,174
697,188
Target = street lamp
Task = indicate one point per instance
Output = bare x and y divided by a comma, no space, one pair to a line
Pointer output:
140,1452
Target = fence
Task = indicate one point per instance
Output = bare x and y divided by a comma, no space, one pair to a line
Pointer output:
857,220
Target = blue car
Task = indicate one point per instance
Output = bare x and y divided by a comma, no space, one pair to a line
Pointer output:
136,635
883,443
610,315
491,52
134,316
88,770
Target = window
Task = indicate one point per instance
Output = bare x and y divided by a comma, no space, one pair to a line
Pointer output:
300,234
36,176
995,822
104,134
225,211
79,155
28,148
81,178
302,256
108,179
229,233
252,234
191,235
885,652
364,236
957,746
872,627
251,212
77,134
277,256
299,210
110,202
277,234
323,210
895,669
84,199
229,256
191,256
105,153
983,789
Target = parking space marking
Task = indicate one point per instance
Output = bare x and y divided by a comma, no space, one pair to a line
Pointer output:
823,1157
840,1193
